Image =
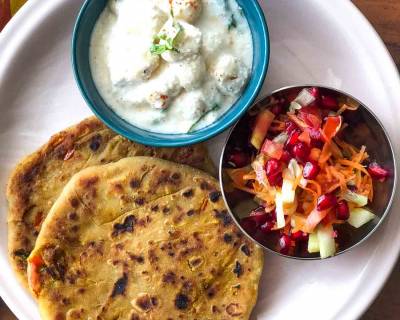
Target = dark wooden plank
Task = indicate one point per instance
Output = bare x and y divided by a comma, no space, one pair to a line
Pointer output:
5,314
384,15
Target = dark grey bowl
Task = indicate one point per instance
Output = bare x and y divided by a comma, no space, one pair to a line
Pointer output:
364,129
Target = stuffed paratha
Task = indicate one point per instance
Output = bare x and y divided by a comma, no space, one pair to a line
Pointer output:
38,180
143,238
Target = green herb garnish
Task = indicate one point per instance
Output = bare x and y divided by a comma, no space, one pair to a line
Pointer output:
163,43
232,22
216,106
231,19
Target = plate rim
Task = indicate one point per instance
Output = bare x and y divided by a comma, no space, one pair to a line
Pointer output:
31,11
366,299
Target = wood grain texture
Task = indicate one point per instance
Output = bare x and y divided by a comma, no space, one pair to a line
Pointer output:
385,17
5,314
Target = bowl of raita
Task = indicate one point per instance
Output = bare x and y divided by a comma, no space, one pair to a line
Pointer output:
170,73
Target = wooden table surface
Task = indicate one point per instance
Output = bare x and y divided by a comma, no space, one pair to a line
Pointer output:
385,17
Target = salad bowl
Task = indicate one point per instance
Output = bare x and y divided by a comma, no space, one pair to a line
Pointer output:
360,128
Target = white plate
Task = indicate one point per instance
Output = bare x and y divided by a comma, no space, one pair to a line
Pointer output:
326,42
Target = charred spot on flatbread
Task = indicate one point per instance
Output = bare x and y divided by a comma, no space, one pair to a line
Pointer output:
126,226
120,286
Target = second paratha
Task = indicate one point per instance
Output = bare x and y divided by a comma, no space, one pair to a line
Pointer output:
143,238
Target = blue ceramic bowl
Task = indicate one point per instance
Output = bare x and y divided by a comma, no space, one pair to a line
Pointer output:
84,25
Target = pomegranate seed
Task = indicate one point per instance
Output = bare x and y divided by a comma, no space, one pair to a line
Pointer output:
310,170
315,134
284,244
377,172
293,137
272,216
290,126
304,237
314,92
238,159
329,102
311,115
316,138
248,225
299,236
277,180
342,210
301,151
277,109
273,170
258,216
326,201
286,156
272,167
267,226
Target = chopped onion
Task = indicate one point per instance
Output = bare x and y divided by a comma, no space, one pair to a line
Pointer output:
288,189
290,175
303,182
280,214
272,149
281,138
258,166
304,98
294,106
295,169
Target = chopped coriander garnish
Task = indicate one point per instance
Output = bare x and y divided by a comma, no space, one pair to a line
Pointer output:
232,22
231,19
163,42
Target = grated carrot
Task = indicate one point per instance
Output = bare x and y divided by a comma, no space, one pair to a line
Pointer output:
315,154
345,107
340,168
325,153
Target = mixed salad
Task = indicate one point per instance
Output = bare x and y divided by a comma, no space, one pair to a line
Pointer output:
304,176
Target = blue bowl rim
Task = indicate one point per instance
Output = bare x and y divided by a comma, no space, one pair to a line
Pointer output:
195,138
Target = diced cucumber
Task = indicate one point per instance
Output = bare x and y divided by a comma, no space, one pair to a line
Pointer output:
327,245
313,244
360,216
358,199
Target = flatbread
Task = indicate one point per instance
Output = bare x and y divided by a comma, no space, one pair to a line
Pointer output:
38,180
143,238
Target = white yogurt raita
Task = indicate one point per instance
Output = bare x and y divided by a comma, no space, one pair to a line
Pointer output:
171,67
